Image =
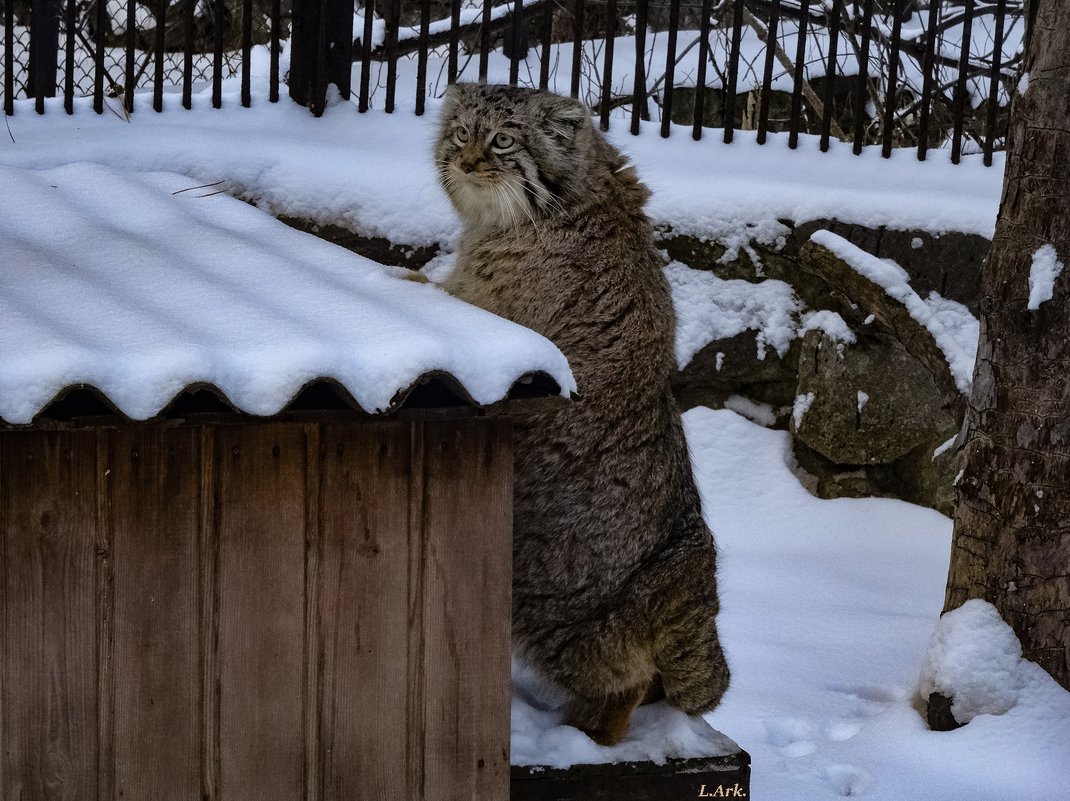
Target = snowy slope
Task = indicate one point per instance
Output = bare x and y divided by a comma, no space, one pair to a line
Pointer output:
827,612
143,284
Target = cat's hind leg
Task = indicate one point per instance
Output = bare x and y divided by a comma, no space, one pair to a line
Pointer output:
687,652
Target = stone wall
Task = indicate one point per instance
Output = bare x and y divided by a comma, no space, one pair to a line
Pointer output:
877,423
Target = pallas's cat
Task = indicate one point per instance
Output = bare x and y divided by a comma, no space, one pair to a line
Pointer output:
614,593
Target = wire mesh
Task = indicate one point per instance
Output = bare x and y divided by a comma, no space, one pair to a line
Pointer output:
151,43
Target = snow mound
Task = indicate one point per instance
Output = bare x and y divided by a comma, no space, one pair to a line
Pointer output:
974,658
163,285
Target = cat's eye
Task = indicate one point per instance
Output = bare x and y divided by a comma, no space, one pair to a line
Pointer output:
461,134
503,141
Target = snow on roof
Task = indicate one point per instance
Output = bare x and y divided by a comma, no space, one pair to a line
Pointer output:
142,285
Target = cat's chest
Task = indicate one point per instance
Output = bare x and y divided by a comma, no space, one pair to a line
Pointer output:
509,279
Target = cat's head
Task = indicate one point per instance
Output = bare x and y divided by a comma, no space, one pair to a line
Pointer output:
507,155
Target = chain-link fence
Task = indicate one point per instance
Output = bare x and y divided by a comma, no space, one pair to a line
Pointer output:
108,49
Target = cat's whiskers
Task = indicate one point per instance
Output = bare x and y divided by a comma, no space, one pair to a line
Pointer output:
518,200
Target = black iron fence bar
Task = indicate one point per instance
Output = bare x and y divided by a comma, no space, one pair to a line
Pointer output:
516,32
187,53
577,46
217,57
98,58
246,50
700,78
366,55
670,67
129,64
9,58
733,70
767,74
393,10
830,73
891,92
455,27
421,56
799,78
862,79
544,54
484,41
928,67
607,70
68,77
276,46
158,43
642,9
994,81
44,49
959,98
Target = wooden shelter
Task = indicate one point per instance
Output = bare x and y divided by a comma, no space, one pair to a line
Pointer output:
255,520
309,606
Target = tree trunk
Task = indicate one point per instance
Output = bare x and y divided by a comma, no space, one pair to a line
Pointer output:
1012,522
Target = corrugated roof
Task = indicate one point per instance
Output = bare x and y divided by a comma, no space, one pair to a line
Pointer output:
140,290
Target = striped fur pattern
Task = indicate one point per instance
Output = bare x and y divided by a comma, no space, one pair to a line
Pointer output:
614,593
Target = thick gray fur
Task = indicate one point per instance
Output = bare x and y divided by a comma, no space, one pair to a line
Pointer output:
614,593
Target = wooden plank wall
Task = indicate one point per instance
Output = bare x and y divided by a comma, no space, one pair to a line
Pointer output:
256,612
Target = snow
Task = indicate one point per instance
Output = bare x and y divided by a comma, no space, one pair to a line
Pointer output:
710,308
827,608
800,407
142,284
760,413
944,447
831,323
372,172
863,399
949,327
975,659
1043,271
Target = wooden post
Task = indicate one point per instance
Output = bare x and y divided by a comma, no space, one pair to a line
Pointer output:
322,51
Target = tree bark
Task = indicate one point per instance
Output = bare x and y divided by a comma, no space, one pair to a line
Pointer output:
1012,521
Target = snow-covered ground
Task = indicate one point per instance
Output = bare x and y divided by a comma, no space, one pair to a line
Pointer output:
828,606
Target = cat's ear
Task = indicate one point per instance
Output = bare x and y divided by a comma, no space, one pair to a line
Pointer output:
454,95
564,119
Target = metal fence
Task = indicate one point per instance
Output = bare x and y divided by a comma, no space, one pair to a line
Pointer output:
893,73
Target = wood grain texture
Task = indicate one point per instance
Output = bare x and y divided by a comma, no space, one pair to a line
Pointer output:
260,612
48,646
363,611
261,480
155,522
467,519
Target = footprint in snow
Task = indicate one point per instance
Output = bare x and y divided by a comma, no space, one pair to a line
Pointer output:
793,736
847,780
866,701
839,730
